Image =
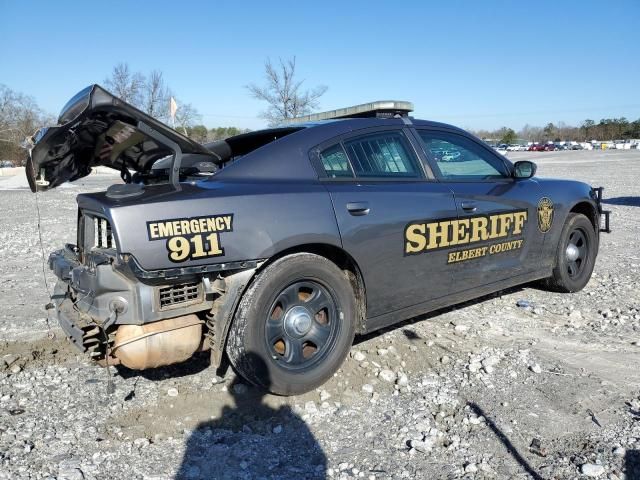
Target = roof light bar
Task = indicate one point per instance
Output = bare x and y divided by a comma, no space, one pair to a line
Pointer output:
378,109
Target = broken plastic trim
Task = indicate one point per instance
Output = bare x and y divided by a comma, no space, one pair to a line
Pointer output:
140,272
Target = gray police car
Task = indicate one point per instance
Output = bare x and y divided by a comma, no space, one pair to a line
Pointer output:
291,240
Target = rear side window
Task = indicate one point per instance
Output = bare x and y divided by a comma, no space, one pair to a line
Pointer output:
335,162
385,154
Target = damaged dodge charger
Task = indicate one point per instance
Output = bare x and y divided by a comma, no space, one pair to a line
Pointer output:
274,248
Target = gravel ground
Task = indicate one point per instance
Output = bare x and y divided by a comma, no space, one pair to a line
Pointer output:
488,389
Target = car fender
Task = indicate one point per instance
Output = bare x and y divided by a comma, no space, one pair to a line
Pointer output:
260,221
566,196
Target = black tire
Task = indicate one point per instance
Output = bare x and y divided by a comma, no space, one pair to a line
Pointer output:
569,274
297,293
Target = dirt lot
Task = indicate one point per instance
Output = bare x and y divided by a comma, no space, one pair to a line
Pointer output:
488,389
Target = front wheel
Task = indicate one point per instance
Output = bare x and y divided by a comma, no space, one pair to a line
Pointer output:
575,256
294,325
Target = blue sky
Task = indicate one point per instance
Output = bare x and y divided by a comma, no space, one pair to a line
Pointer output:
473,64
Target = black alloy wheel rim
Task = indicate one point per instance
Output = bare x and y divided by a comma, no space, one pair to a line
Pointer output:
576,252
301,326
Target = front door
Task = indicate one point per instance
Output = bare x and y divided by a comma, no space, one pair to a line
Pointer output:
497,232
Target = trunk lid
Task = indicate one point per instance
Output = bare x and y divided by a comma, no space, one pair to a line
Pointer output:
96,128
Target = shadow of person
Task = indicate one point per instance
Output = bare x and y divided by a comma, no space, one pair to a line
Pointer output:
626,201
632,465
500,435
252,440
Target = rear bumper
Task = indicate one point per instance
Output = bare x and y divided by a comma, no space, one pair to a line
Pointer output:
94,290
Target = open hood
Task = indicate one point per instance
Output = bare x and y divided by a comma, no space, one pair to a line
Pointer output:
96,128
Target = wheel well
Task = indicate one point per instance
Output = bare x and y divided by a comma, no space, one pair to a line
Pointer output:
345,262
589,211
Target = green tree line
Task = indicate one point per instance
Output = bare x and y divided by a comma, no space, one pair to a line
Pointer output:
605,130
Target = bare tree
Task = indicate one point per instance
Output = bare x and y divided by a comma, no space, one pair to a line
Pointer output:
20,117
549,131
530,133
507,135
186,117
284,93
155,96
125,84
587,127
150,94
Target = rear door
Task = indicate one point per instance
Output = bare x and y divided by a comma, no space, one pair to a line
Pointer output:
380,187
497,234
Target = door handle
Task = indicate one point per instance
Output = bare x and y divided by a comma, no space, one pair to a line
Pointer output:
358,208
469,206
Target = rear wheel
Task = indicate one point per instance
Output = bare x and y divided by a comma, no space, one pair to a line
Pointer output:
294,325
575,256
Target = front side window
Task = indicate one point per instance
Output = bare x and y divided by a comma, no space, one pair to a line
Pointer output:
385,155
459,158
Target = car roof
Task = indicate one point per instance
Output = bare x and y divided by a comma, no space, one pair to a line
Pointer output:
345,125
287,157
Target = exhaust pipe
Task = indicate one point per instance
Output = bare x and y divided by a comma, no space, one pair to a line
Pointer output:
157,344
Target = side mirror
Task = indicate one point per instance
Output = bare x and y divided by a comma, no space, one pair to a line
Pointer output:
524,169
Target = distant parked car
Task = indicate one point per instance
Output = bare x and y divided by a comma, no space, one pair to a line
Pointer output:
550,147
536,147
502,148
6,164
577,146
513,148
